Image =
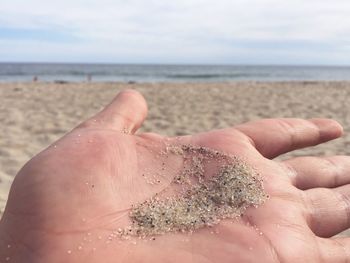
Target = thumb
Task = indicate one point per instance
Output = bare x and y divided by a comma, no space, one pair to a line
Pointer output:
125,113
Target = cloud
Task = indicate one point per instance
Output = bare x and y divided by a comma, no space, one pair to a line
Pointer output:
196,31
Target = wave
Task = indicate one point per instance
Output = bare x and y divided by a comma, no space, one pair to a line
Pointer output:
207,76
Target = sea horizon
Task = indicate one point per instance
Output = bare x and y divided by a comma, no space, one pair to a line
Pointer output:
153,73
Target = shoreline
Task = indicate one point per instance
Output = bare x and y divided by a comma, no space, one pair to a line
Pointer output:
198,82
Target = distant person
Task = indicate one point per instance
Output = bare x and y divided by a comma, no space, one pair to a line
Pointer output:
89,78
65,203
35,79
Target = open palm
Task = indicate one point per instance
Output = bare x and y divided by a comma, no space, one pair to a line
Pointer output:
67,202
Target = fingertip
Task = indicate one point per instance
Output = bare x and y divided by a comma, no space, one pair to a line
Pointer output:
131,94
125,113
273,137
130,104
329,129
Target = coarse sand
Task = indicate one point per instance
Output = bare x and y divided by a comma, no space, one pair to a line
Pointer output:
214,186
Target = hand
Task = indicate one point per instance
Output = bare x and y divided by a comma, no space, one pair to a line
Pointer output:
67,200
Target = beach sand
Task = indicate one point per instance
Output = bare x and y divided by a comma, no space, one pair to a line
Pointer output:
33,115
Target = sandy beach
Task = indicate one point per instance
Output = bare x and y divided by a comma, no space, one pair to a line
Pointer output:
33,115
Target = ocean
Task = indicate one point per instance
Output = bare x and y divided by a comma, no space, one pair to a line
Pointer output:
25,72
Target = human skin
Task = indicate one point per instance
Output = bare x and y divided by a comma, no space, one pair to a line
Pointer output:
66,201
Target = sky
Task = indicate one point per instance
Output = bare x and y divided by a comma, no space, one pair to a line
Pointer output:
296,32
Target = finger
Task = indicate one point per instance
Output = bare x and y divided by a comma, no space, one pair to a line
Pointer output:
125,113
335,250
273,137
328,210
312,172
